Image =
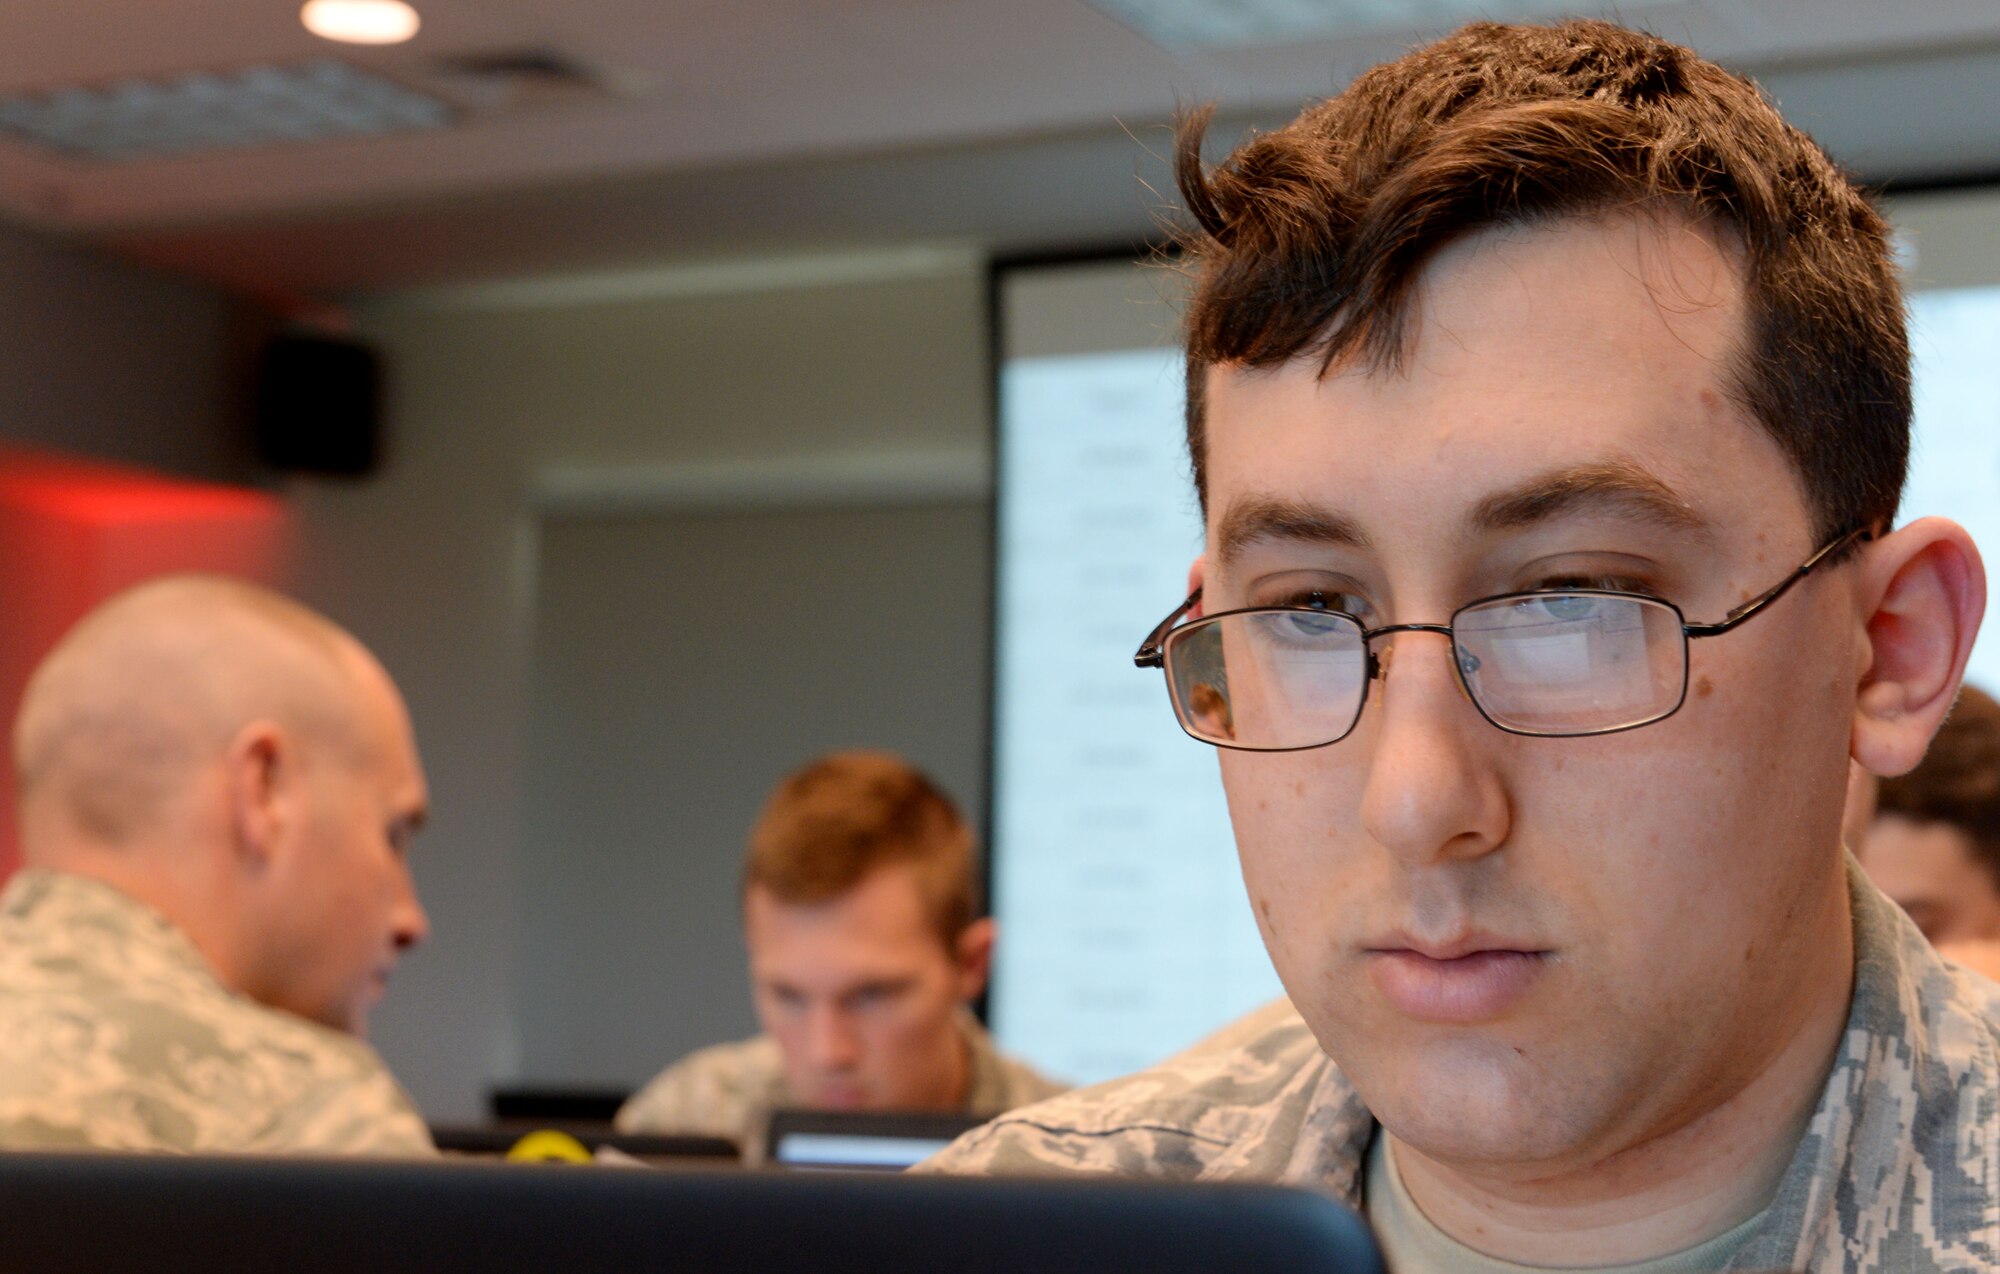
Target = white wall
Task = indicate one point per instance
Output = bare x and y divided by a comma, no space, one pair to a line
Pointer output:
723,386
1951,238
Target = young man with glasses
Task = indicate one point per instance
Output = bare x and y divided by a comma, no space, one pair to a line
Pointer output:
1549,405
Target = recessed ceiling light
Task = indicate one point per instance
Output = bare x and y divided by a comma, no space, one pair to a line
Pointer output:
360,21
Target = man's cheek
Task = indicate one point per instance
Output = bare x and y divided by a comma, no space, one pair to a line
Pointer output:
788,1040
1298,874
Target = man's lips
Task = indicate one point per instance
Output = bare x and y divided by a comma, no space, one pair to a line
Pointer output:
1467,980
836,1097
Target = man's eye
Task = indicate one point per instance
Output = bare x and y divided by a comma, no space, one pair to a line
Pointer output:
1327,599
1568,608
1308,626
1585,604
1597,583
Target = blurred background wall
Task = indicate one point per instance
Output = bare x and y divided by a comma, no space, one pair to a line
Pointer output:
114,360
577,525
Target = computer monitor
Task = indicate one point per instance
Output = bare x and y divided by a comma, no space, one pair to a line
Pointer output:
539,1105
869,1141
116,1214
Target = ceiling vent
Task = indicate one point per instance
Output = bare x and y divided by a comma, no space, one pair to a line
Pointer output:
203,111
1192,25
529,77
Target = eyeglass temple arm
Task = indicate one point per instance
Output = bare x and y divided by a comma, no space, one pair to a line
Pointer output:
1150,653
1742,613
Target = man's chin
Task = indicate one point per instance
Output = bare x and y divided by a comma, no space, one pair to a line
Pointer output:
347,1019
836,1098
1474,1103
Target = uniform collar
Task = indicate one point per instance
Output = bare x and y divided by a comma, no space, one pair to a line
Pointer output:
1897,1167
78,905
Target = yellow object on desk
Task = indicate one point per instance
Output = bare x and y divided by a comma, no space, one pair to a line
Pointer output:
548,1146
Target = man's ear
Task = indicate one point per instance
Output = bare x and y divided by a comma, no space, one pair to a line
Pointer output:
258,767
1197,572
1924,590
975,957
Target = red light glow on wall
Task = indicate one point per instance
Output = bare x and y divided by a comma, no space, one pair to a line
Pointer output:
74,532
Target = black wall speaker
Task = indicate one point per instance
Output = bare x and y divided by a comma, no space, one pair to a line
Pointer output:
319,405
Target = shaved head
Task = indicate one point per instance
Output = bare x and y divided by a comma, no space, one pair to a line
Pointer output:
245,767
152,686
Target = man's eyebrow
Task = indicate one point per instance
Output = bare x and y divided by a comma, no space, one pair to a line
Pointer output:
896,983
1261,517
1614,487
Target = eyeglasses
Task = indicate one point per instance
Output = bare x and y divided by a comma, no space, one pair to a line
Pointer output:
1553,663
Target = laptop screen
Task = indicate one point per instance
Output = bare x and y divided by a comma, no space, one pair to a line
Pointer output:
860,1141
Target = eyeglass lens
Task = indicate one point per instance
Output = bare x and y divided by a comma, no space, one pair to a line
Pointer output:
1268,679
1554,664
1572,664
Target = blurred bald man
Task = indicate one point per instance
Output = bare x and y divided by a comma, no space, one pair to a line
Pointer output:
217,791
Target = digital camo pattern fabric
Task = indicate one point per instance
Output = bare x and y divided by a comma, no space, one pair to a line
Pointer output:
115,1035
730,1090
1899,1169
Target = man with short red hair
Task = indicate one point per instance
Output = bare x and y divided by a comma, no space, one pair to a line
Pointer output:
866,947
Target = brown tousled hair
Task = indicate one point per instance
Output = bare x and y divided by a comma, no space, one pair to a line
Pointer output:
1958,781
1309,241
830,825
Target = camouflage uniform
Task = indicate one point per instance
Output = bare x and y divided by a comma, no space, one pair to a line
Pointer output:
730,1090
116,1035
1899,1168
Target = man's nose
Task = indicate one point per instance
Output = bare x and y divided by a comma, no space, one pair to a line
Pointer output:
411,924
831,1043
1431,792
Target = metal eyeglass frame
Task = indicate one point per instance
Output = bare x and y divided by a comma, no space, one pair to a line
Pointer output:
1152,651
